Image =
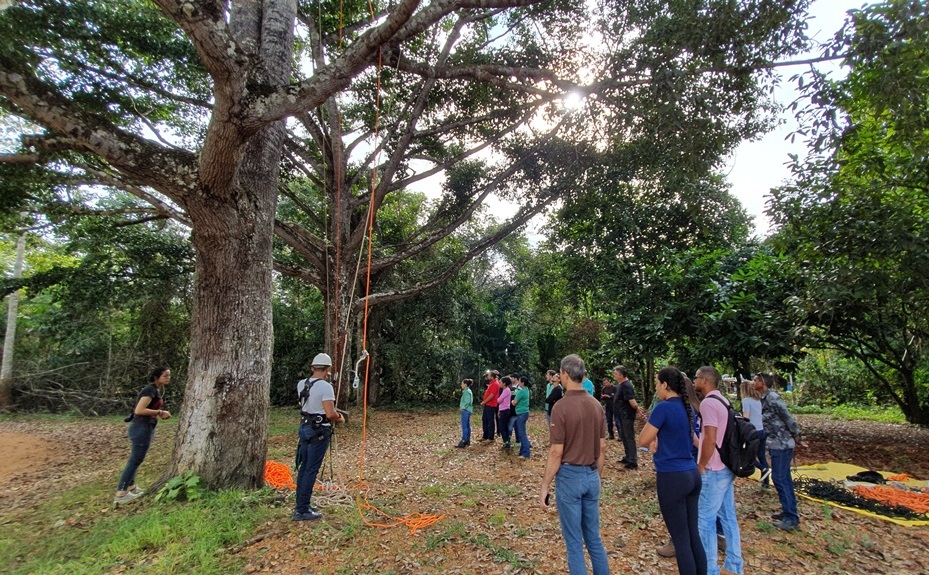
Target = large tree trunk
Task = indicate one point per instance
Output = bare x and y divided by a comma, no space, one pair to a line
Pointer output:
223,431
224,421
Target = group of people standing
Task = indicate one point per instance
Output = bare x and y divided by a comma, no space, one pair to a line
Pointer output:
697,495
695,489
505,411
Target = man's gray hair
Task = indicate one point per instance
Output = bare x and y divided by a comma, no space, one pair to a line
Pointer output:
621,371
573,365
711,374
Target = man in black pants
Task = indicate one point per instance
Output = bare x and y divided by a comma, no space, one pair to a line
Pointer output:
607,393
626,408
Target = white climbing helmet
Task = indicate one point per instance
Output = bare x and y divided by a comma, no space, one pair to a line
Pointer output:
322,360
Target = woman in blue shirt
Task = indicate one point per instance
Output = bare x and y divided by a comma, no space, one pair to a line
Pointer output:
671,423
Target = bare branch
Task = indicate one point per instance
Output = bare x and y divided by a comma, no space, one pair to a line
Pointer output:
19,158
475,250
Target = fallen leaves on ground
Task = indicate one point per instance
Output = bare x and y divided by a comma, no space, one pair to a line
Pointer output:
492,522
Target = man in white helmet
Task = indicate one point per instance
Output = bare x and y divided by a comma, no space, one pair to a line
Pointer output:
317,413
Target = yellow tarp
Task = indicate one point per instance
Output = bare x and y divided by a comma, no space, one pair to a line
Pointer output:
838,472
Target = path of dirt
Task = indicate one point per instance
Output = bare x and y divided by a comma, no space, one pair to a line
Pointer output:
20,451
491,523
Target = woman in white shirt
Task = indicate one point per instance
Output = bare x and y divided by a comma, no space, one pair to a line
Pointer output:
751,409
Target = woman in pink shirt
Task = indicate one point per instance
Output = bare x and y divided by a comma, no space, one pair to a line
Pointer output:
503,409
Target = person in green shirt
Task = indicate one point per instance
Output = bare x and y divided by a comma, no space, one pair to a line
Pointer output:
466,405
521,406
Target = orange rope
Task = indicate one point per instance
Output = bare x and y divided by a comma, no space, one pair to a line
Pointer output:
278,475
900,477
918,502
414,521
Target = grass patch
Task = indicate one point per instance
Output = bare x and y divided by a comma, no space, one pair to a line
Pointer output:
854,412
501,553
165,538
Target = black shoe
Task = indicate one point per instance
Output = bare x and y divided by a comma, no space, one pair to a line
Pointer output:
611,437
460,444
624,461
777,516
785,525
308,516
631,466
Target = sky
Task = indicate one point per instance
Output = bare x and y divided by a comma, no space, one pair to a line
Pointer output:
760,165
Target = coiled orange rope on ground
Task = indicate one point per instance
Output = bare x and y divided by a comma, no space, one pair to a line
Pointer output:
278,475
918,502
415,521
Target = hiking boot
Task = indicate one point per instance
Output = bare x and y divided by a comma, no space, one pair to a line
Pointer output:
308,516
666,550
120,499
720,543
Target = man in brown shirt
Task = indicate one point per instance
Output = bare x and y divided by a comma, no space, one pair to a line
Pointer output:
578,443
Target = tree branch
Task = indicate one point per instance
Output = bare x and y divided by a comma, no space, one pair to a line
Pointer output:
204,24
330,78
475,250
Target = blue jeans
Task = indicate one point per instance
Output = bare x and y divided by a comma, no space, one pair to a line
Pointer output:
717,500
577,495
311,451
465,426
784,483
522,438
762,463
140,435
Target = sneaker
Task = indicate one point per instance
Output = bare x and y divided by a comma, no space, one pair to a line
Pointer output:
765,475
308,516
777,516
720,543
129,496
137,491
784,525
666,550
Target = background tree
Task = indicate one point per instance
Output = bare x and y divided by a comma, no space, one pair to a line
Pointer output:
855,216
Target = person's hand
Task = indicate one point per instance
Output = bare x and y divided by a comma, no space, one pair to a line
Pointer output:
544,498
165,414
701,469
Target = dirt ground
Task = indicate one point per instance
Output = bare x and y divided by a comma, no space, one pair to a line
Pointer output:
490,522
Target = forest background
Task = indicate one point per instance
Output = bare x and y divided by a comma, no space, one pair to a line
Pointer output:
139,251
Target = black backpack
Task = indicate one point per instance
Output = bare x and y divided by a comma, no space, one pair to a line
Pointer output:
740,445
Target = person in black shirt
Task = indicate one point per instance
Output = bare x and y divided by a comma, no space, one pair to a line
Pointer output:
626,408
148,410
606,394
